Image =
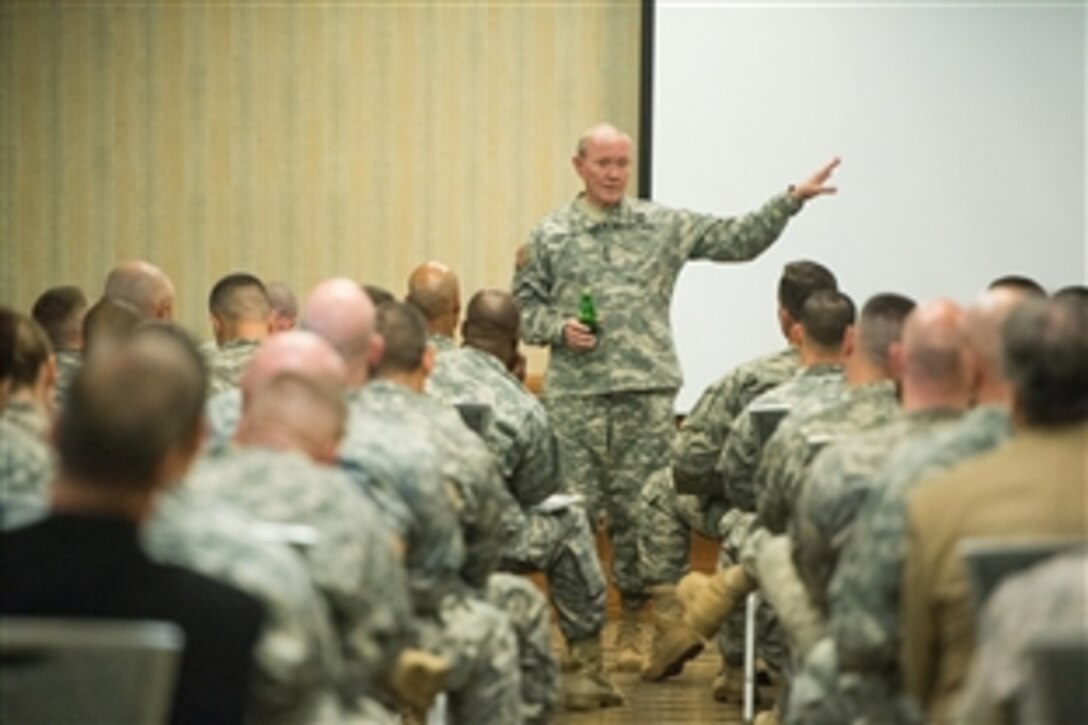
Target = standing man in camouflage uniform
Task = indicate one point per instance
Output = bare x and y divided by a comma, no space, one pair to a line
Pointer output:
433,289
60,310
239,311
555,540
610,395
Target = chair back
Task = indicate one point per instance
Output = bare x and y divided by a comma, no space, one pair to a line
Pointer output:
1059,674
989,561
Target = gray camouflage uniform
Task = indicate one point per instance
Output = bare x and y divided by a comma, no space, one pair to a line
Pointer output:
353,561
670,516
865,589
26,464
785,462
441,343
297,661
222,411
390,459
611,407
226,363
557,542
68,364
1053,595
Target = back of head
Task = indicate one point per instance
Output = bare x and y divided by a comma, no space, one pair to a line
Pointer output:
378,295
1019,283
935,347
1045,349
339,311
825,317
108,322
492,323
985,319
799,279
405,334
1073,293
129,407
30,354
239,297
296,352
144,286
59,310
284,306
881,326
301,410
433,289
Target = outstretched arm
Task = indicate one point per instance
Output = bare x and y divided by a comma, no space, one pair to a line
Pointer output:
816,185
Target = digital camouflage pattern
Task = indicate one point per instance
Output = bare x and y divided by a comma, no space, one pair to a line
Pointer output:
785,461
519,436
628,259
668,519
441,343
1051,596
26,464
353,562
297,661
528,612
27,417
222,411
558,543
865,590
488,515
390,462
226,363
68,364
740,456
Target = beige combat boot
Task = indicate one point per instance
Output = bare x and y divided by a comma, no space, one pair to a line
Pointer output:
629,639
587,687
708,599
674,642
417,678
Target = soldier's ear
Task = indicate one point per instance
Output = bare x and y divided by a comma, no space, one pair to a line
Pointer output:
896,360
426,363
849,341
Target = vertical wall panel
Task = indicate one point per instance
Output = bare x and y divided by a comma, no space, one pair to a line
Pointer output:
295,140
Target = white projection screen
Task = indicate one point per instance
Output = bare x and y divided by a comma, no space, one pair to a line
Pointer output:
961,128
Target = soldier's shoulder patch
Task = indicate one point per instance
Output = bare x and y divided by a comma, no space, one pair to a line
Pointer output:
522,256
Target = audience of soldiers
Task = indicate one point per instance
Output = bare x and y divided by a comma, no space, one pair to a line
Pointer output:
337,501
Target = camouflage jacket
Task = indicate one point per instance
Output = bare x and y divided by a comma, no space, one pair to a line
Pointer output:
441,343
743,448
353,560
297,661
519,435
699,442
26,464
399,468
489,517
866,587
786,458
226,363
223,411
841,477
27,417
629,262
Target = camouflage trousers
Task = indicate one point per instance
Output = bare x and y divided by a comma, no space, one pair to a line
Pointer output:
668,518
609,446
560,544
478,640
528,612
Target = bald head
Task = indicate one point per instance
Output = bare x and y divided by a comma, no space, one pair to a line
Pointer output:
295,352
602,133
144,286
340,312
293,411
935,357
491,324
984,320
434,290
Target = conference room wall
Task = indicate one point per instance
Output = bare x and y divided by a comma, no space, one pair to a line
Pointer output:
294,140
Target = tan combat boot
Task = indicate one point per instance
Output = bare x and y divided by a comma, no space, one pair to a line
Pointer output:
708,599
674,642
587,687
418,677
629,639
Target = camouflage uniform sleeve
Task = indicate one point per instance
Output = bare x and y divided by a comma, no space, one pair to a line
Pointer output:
738,238
698,443
778,479
535,474
865,595
737,463
541,323
812,553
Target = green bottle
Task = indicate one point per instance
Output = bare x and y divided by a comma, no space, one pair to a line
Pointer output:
587,313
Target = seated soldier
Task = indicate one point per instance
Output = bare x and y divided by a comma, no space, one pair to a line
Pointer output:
60,310
239,310
26,462
130,428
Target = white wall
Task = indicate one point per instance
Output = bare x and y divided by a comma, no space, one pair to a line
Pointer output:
962,133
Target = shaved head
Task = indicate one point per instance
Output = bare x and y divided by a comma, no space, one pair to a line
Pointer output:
935,352
434,290
492,324
295,411
298,352
144,286
341,313
601,133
